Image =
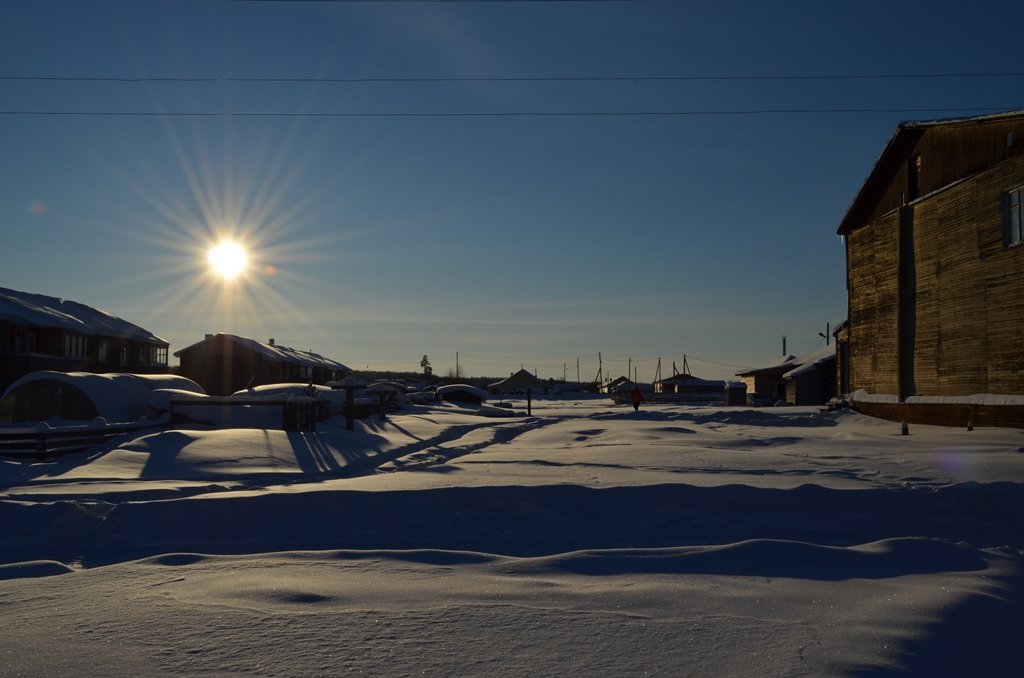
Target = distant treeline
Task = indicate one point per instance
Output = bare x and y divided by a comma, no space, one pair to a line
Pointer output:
370,376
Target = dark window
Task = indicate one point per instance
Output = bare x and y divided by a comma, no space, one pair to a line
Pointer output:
914,178
1014,220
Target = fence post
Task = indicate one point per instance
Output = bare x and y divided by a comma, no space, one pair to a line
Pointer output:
529,402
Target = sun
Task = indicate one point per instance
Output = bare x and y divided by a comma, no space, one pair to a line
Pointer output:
227,259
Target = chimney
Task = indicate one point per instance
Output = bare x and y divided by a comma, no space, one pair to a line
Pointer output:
271,341
209,336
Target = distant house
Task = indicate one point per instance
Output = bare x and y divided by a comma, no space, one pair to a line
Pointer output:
809,379
768,381
517,382
225,363
39,332
688,388
620,384
935,265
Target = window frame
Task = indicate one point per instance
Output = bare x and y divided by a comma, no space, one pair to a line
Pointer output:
1013,221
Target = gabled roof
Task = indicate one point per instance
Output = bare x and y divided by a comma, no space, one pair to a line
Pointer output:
40,310
779,365
519,379
810,362
273,352
907,135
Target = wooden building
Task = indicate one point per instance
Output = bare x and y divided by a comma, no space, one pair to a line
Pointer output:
518,383
766,384
808,379
224,363
40,332
813,381
935,264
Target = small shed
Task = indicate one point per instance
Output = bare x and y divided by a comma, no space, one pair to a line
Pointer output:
767,381
813,382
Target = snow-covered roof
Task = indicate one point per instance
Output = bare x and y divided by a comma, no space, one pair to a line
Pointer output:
520,379
275,352
118,398
812,361
690,380
45,311
465,388
783,362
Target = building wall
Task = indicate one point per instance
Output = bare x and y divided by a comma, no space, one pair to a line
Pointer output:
970,289
953,326
220,366
871,262
771,385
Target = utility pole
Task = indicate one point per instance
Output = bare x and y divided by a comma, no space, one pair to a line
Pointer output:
577,370
825,336
564,372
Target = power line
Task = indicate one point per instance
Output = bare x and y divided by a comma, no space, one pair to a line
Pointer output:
501,114
543,78
373,2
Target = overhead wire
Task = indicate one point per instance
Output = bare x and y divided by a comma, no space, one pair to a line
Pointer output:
543,78
504,114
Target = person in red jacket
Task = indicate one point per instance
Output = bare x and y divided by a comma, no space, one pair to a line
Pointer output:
636,398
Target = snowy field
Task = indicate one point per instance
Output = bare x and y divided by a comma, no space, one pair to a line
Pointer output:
584,540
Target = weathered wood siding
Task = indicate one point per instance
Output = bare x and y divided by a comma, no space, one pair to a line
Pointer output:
949,154
871,260
970,289
961,314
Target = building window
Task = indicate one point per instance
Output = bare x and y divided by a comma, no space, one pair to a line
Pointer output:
914,178
1014,220
101,351
161,355
123,358
74,346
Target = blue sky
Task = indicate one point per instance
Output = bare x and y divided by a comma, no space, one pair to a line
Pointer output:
531,240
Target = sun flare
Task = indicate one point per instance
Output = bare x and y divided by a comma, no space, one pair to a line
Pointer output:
227,259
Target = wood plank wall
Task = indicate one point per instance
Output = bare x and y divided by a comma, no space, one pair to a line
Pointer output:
968,334
871,255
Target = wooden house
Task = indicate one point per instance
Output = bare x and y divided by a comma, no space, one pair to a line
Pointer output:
808,379
39,332
518,383
935,270
766,384
224,363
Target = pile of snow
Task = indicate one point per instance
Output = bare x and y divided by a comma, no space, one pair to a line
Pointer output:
584,540
985,399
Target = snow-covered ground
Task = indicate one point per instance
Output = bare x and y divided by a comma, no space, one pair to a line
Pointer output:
584,540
